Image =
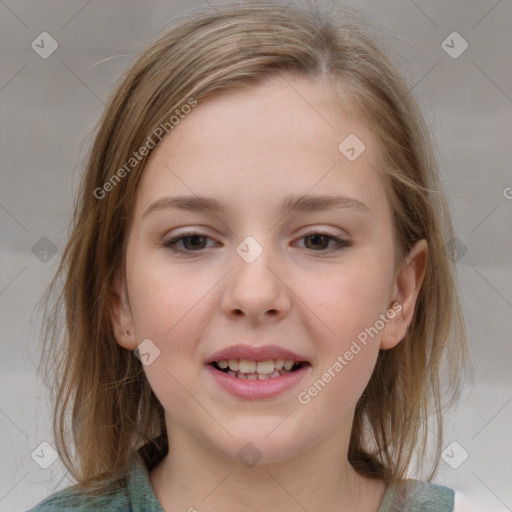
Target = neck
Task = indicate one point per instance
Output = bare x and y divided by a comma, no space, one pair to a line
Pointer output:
195,477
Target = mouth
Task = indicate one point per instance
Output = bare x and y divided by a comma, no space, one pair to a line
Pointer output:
257,370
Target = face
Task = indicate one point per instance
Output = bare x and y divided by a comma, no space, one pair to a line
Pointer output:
311,282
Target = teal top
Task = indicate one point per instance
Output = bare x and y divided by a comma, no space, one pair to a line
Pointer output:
135,494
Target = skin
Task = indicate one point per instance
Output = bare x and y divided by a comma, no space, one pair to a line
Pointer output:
249,149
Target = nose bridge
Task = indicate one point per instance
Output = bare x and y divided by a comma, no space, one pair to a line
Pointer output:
254,259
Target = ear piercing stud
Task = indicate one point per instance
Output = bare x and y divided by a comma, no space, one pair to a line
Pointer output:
125,332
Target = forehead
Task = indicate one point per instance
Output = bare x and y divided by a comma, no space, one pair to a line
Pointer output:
286,134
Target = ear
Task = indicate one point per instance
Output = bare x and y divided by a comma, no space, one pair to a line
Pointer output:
121,314
406,289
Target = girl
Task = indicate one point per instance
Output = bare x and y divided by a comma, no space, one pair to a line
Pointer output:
258,289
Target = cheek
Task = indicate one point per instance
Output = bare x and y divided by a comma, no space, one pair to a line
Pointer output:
343,314
347,300
171,313
167,304
171,308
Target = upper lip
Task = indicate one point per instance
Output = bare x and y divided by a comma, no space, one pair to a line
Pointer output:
253,353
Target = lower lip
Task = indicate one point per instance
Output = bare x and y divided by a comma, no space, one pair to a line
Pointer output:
256,389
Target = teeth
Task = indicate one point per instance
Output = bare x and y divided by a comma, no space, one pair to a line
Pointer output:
265,366
256,370
246,366
288,365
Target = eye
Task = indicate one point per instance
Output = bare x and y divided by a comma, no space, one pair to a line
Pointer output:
192,242
315,241
319,242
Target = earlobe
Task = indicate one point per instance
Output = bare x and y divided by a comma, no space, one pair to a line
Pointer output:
121,315
407,286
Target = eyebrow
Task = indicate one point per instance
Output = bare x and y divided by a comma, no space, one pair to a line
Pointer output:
296,203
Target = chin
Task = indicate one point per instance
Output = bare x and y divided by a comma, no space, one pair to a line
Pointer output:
258,447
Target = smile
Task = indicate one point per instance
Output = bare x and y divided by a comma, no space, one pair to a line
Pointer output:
254,385
257,370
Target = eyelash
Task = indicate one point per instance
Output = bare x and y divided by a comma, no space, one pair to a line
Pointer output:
342,244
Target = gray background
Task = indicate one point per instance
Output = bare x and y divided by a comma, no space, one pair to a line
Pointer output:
48,108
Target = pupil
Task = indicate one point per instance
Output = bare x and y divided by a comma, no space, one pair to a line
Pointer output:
315,239
194,240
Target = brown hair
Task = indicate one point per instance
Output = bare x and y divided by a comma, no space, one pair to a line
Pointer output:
100,388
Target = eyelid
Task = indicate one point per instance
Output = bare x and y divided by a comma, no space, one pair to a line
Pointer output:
308,230
322,230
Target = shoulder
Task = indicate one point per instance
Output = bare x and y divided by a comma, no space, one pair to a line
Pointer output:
417,496
130,493
72,500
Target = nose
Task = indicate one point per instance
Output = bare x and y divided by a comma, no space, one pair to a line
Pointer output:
257,290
